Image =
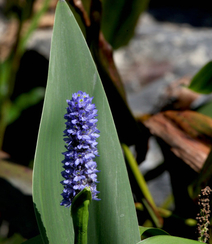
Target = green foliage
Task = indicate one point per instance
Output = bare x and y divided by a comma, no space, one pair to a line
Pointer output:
33,25
15,239
162,239
113,219
206,109
204,178
145,195
9,67
24,101
34,240
202,81
119,18
139,177
150,231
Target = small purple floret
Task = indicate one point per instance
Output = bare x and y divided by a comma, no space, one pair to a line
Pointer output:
80,137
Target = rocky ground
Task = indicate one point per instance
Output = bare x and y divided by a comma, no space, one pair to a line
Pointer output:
160,53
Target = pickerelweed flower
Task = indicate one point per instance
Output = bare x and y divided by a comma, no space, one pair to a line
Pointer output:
80,137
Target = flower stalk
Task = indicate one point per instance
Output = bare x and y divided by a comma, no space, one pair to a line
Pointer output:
80,215
204,214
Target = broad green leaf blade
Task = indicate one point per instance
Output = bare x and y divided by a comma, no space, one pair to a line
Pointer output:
119,18
165,239
113,219
202,81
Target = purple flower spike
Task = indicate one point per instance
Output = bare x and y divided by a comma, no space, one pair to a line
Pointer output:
80,137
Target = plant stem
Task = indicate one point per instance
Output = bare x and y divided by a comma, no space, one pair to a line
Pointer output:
138,176
80,215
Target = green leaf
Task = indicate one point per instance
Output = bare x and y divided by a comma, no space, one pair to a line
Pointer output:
24,101
163,239
202,81
5,71
138,176
204,178
138,135
14,239
113,219
119,18
206,109
150,231
147,201
34,240
33,25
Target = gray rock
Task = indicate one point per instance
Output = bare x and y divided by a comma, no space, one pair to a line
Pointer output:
158,54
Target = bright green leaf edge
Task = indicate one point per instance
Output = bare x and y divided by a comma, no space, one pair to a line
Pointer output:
113,219
164,239
150,231
202,81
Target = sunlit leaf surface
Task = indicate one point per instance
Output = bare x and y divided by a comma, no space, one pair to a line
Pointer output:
113,219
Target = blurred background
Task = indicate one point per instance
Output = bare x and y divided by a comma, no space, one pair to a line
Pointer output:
158,47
